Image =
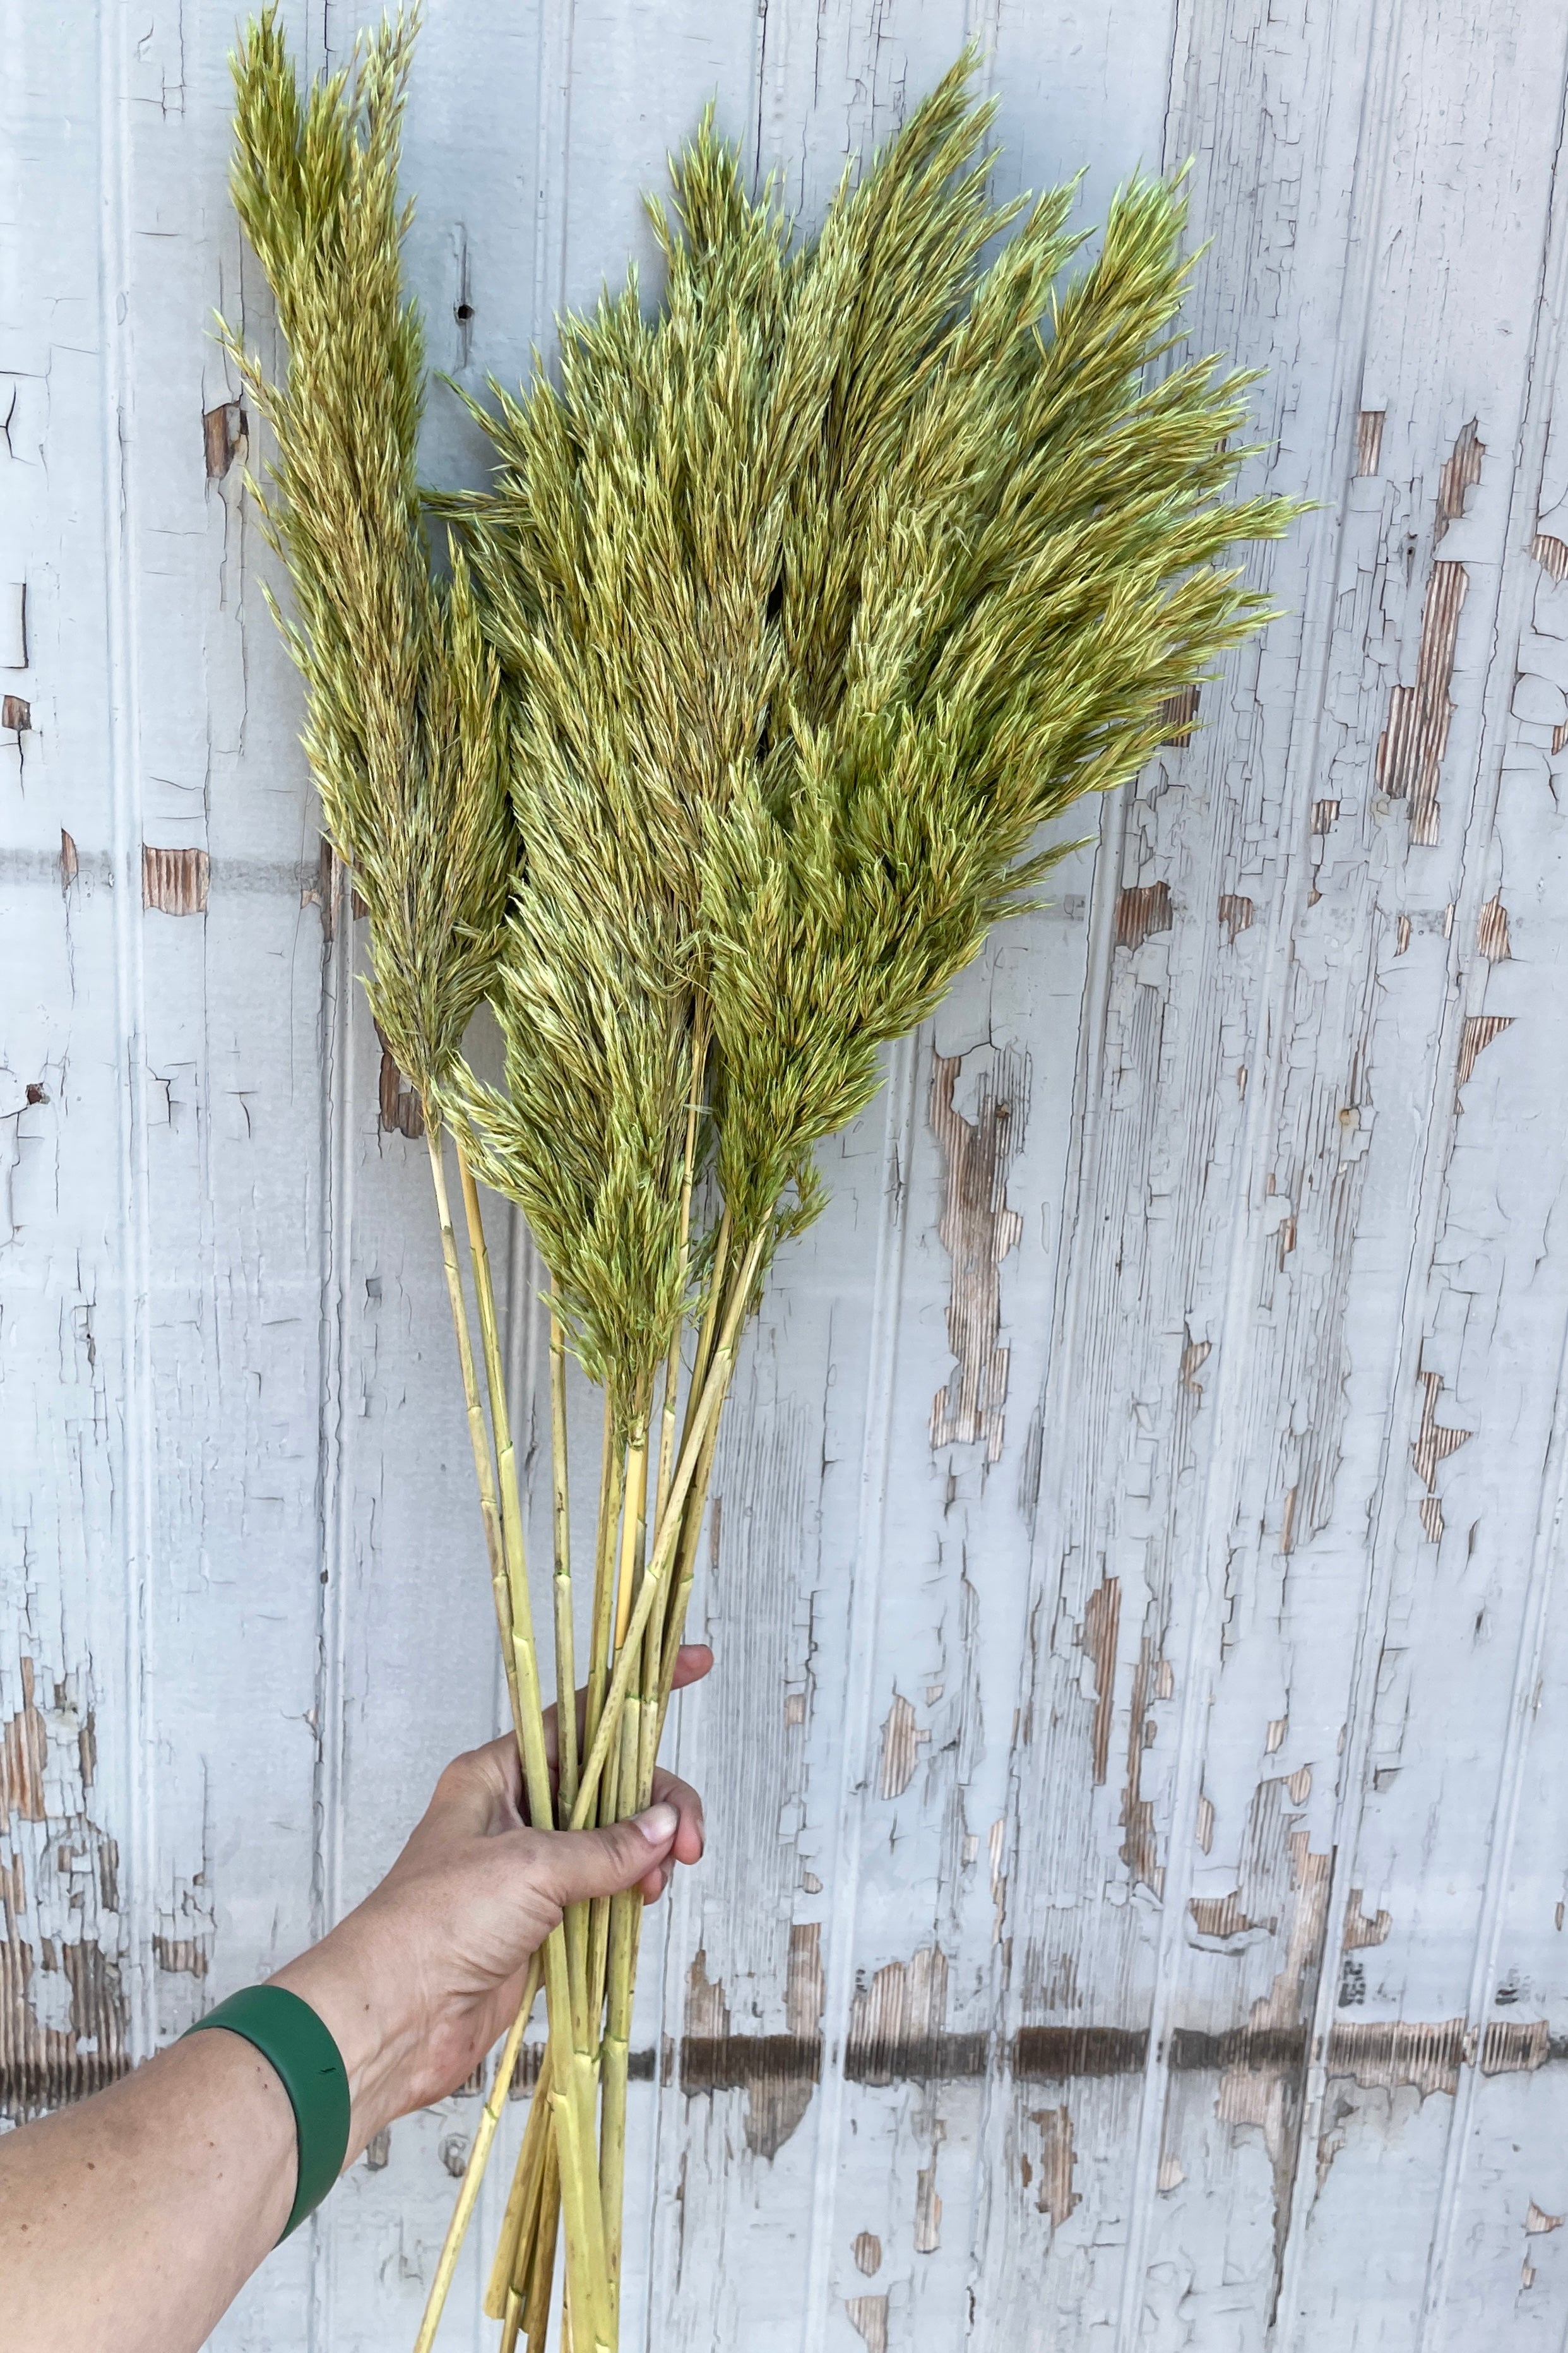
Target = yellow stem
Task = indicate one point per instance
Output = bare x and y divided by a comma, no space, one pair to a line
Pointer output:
688,1179
537,2140
633,1526
474,2171
571,2098
610,1485
484,1467
706,1410
685,1575
565,1639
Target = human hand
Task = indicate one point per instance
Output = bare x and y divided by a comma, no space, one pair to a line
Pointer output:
420,1980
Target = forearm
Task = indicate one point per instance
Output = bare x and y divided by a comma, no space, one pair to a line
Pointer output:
134,2219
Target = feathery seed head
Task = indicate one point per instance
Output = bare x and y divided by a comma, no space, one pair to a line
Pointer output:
797,606
406,727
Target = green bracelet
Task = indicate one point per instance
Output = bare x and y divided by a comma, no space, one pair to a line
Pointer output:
293,2041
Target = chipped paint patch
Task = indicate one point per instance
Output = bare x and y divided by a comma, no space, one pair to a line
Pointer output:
1140,1847
1433,1442
1141,910
63,2017
868,2316
1053,2193
1393,2056
1102,1620
175,881
1477,1035
1551,554
1461,472
899,2013
1411,748
1492,932
224,437
1179,717
398,1105
902,1739
978,1230
1360,1931
928,2212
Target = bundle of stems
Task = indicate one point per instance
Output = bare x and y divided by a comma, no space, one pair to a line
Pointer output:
706,746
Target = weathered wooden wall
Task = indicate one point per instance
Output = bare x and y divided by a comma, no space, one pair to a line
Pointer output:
1135,1907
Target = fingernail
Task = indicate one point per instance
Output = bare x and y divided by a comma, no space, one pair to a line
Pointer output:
659,1825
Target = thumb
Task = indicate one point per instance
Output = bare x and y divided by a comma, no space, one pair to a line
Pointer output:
577,1864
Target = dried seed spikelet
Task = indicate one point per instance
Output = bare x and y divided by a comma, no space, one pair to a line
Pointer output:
822,591
1020,527
407,728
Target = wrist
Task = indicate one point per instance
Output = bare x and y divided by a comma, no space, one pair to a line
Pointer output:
377,2036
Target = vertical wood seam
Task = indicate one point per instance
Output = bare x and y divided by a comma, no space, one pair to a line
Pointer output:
1515,593
859,1706
122,715
334,1491
1233,1369
1070,1306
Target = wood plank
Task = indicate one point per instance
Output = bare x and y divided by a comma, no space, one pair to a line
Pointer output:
1133,1906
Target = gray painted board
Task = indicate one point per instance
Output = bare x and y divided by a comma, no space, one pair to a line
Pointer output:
1134,1916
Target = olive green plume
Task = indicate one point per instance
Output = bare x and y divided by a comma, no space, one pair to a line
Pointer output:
405,727
821,590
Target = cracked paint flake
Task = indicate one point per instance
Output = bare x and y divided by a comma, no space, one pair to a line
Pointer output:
1179,717
1411,750
902,1740
978,1228
226,438
868,2316
1479,1031
1551,554
1433,1442
175,881
63,2016
1141,910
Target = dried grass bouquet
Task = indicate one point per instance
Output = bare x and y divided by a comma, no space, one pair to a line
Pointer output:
706,744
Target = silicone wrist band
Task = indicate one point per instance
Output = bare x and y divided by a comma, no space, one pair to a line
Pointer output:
307,2063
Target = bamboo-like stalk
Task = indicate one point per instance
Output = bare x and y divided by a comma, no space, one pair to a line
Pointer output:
474,2171
611,1484
710,1325
541,2267
709,1405
522,2197
582,2212
583,1962
615,2046
612,1955
572,2102
484,1467
685,1575
633,1526
687,1180
566,1636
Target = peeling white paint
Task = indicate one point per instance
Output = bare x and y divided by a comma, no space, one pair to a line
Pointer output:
1134,1908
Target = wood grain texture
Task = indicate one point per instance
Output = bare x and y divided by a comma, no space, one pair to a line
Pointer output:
1134,1916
